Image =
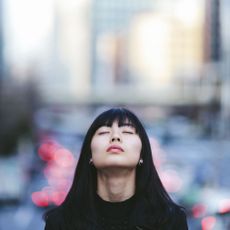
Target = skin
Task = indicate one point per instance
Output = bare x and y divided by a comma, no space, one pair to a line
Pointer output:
116,168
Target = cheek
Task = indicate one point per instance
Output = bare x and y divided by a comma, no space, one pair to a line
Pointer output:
97,152
136,147
96,146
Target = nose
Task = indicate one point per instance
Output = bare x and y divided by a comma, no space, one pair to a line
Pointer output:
115,136
115,139
115,133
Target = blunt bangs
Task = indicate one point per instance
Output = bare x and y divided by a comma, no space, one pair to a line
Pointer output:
121,115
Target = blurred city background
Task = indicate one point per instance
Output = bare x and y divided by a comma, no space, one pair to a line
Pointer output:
62,62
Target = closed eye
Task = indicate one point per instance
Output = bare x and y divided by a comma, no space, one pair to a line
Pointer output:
103,132
128,132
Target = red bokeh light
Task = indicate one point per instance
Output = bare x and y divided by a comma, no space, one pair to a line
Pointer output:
47,196
58,171
47,150
208,223
224,206
52,170
171,180
64,158
198,210
57,197
40,198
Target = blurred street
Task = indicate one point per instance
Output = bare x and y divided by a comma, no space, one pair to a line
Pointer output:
21,217
200,165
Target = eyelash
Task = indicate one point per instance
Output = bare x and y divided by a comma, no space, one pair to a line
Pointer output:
125,132
128,132
104,132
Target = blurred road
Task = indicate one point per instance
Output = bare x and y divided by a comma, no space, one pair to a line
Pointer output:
22,217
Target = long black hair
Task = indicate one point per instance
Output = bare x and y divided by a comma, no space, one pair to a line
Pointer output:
79,203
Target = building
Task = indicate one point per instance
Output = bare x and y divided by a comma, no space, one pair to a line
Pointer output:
110,28
1,43
66,72
225,67
153,50
102,51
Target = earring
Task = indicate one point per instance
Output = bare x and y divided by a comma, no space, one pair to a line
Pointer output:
140,162
90,161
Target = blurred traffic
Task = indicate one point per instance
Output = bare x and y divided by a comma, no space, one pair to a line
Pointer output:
194,169
63,62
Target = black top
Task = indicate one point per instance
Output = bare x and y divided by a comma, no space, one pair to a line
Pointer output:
131,214
114,215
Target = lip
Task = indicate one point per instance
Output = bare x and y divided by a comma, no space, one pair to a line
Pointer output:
114,148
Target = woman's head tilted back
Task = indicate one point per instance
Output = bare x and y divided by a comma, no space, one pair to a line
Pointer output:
125,118
84,186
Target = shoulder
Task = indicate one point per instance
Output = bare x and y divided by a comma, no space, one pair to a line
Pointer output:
172,219
54,219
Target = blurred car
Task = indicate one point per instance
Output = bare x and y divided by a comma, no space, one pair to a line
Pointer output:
12,180
208,209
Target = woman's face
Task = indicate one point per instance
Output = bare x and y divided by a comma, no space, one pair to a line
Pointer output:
116,147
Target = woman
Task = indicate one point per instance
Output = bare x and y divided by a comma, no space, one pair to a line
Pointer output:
116,185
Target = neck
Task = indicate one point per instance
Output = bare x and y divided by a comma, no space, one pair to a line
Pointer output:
115,186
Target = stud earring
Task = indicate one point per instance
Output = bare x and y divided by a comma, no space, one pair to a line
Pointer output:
140,162
90,161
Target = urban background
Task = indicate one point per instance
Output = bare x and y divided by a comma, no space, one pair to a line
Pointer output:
64,61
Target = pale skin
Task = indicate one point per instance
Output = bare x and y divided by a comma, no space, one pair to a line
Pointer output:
115,154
